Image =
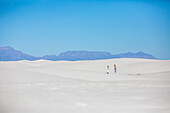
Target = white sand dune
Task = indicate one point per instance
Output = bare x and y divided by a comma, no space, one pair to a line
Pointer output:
140,86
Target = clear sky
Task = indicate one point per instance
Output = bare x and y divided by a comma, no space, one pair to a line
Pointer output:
45,27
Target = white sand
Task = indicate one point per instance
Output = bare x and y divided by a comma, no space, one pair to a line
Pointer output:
140,86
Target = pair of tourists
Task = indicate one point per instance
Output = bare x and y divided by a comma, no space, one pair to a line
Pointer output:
114,68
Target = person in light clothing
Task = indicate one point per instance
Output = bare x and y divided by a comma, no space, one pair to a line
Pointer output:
107,69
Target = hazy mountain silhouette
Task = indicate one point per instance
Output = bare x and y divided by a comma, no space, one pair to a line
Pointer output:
10,54
95,55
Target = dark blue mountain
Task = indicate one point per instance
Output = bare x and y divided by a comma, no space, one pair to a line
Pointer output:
134,55
9,54
84,55
91,55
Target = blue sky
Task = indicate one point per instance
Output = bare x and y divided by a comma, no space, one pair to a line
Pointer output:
41,27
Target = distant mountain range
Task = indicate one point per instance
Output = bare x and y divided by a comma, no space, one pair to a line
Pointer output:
10,54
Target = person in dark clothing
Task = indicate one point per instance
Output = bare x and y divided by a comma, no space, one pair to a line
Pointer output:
115,70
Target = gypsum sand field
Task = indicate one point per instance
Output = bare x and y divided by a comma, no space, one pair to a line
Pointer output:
140,86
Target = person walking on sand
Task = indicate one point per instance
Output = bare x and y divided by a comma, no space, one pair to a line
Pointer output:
115,70
107,69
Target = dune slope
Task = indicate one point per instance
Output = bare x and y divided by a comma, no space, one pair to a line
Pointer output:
140,86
